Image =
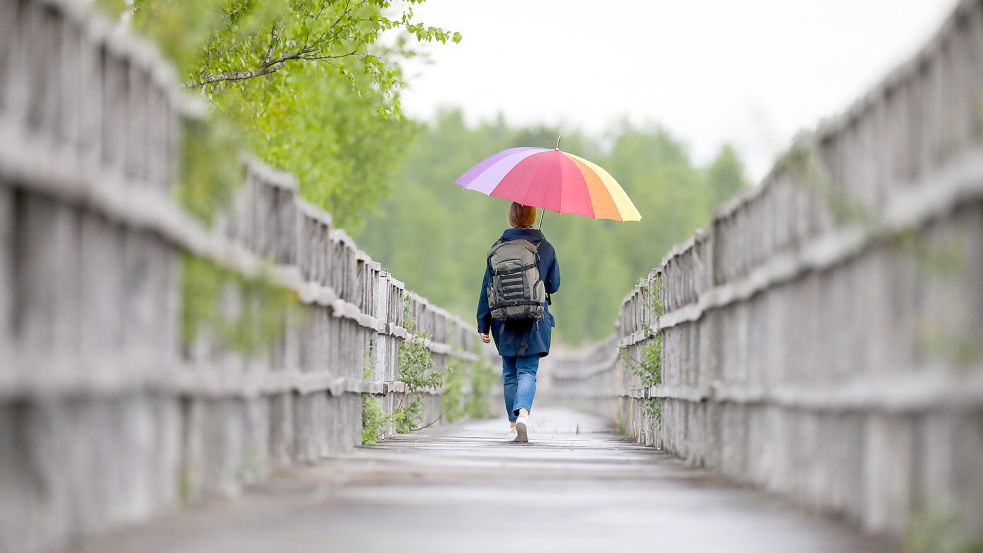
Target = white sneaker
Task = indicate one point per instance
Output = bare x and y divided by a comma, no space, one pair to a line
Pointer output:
510,437
522,428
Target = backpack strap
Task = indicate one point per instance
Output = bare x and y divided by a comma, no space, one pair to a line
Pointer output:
516,269
524,343
513,303
525,338
491,251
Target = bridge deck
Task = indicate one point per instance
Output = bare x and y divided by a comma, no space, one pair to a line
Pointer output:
462,488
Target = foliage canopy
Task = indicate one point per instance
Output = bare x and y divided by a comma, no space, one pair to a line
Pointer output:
314,84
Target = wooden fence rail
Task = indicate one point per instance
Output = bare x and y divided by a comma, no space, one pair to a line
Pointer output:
124,392
823,338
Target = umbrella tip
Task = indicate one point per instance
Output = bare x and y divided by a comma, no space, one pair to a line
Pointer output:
558,137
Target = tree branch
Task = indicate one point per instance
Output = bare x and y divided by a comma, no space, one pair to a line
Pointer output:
274,40
267,67
348,9
272,63
206,79
326,57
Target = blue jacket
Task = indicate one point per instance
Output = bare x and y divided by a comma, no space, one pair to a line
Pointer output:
507,340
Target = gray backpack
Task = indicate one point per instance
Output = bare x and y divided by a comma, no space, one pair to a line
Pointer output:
516,292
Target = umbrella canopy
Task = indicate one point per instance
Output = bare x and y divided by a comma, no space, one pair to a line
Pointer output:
553,180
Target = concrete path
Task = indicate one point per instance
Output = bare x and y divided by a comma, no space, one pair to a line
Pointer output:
462,488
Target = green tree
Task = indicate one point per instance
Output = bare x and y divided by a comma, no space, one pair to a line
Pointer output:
307,121
215,41
725,175
310,82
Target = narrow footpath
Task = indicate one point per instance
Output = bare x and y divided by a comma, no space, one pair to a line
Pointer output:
577,487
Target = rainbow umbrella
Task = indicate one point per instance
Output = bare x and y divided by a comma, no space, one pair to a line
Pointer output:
553,180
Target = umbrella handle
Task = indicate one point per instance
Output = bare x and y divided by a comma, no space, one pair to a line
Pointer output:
558,137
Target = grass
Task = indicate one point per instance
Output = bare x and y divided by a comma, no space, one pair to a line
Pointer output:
374,420
649,369
622,428
939,532
653,410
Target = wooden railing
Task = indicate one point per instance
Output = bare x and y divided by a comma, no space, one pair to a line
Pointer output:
116,403
823,338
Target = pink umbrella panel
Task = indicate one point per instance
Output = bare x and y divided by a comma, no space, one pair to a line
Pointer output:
551,179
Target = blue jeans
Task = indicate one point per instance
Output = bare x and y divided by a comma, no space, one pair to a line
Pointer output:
519,376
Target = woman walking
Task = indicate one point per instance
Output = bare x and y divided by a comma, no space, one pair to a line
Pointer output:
513,307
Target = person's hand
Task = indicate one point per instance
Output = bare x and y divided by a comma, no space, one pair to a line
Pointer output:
485,338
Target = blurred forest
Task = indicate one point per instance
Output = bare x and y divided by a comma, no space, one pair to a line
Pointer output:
314,86
435,235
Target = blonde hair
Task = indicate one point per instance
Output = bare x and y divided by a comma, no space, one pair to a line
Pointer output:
522,216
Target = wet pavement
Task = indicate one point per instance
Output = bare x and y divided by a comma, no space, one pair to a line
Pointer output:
577,487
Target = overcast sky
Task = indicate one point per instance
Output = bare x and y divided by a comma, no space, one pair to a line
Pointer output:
748,72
